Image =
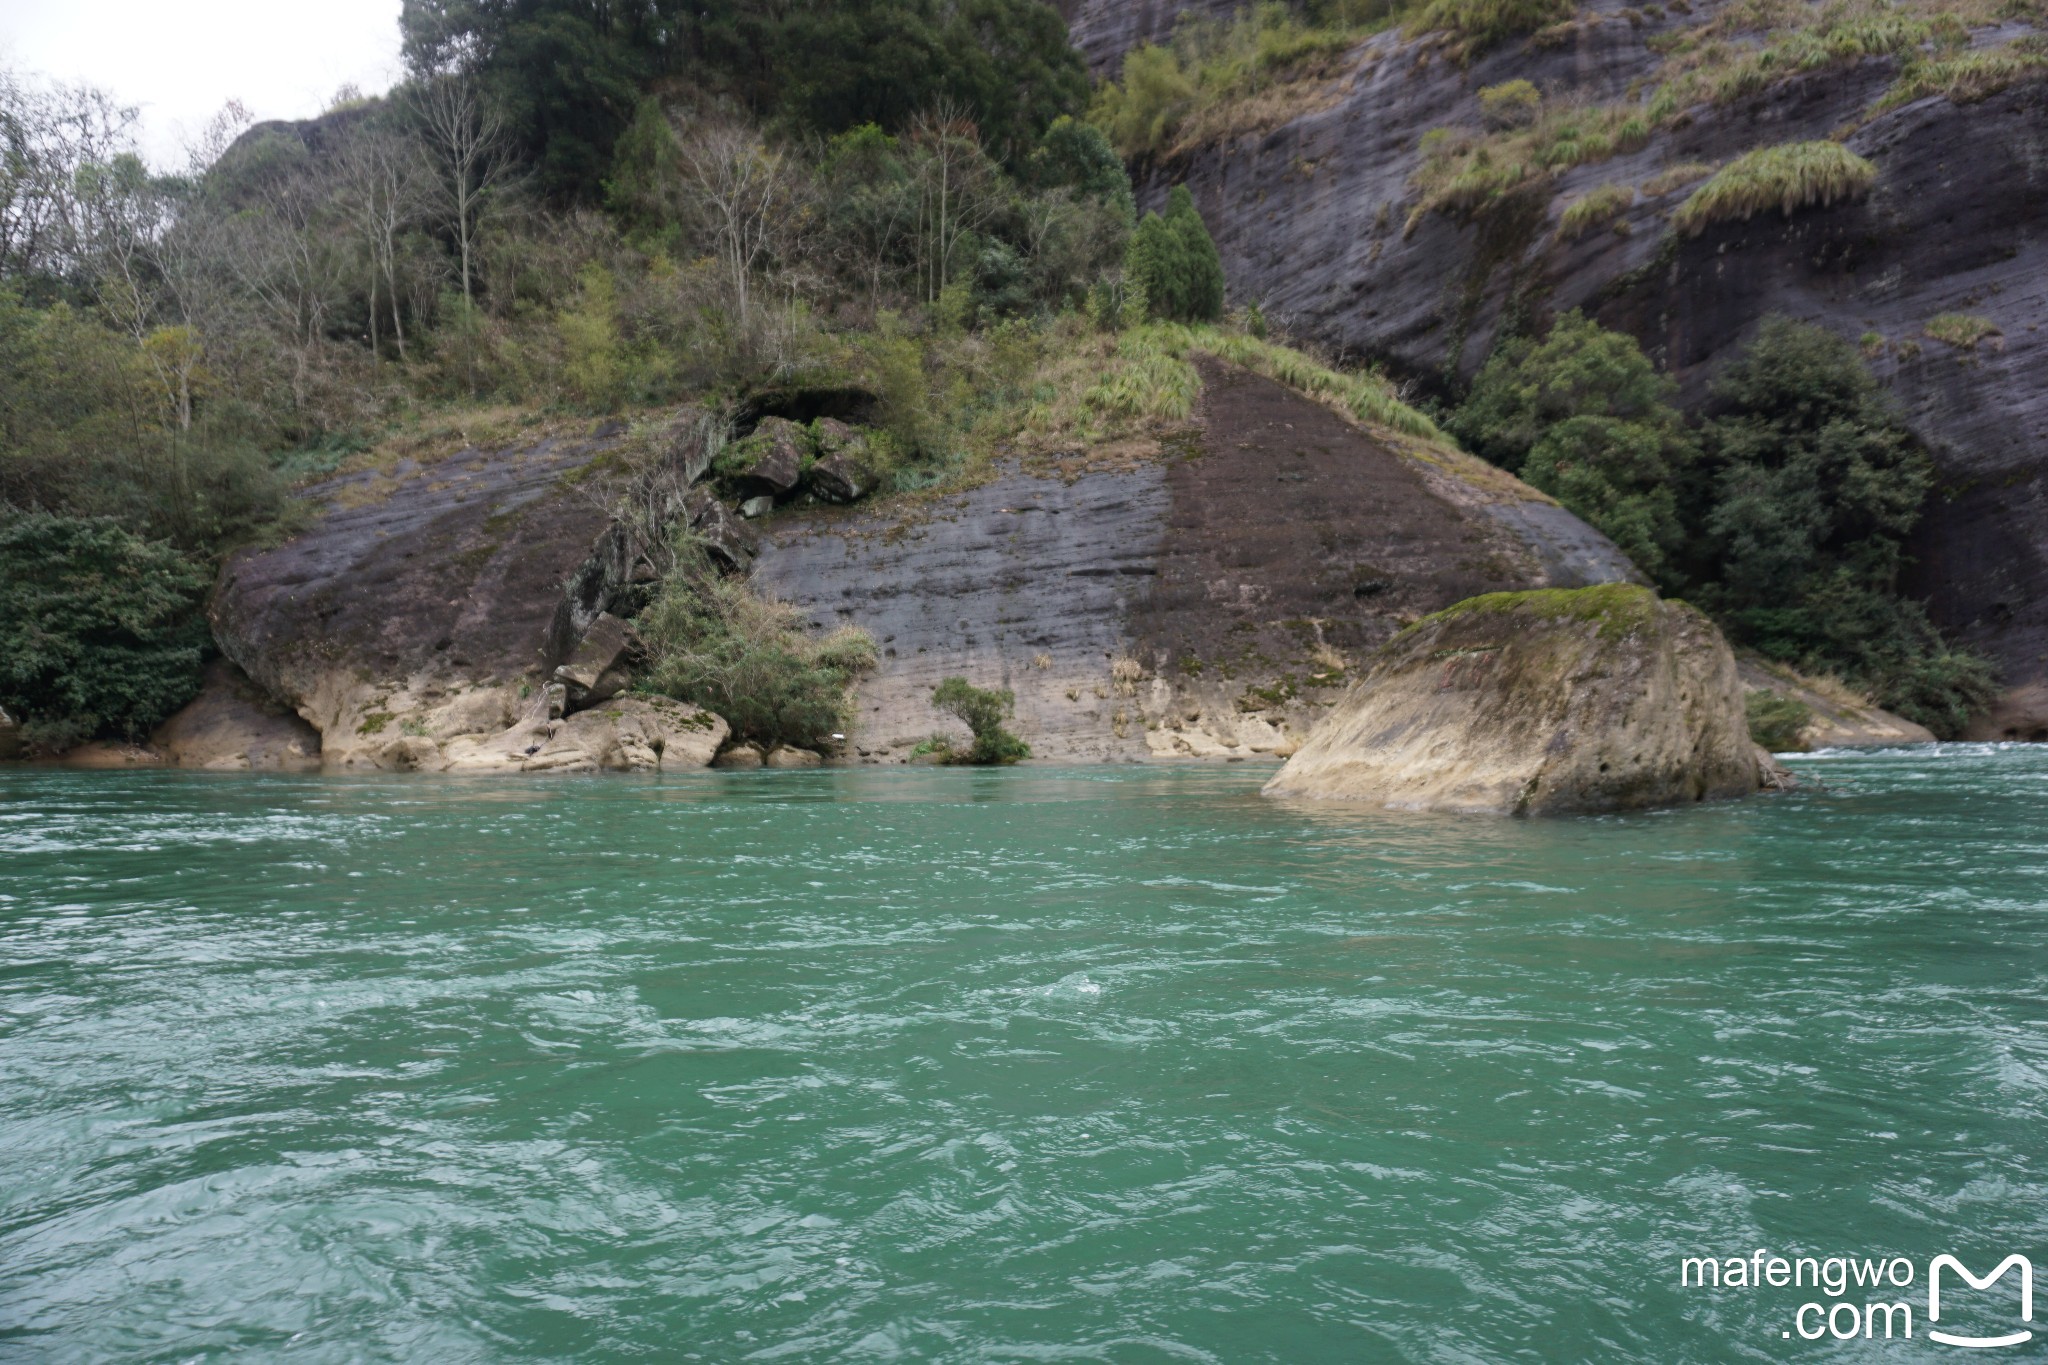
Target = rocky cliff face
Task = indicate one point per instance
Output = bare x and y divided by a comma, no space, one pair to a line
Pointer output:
1202,597
418,622
1205,603
1310,218
1104,30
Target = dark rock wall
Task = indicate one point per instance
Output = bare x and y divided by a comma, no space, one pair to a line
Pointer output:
1309,218
426,581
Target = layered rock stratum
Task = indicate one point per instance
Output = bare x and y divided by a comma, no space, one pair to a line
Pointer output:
1205,594
1202,598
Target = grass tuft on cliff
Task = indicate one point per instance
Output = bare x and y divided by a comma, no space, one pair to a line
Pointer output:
1733,55
1791,176
1961,330
1477,24
1597,208
1966,77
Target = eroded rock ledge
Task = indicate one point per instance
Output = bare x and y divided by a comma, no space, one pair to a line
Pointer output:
1540,703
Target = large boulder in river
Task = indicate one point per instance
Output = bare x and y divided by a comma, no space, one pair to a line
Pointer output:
1553,702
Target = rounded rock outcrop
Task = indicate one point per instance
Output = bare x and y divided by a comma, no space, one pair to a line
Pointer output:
1551,702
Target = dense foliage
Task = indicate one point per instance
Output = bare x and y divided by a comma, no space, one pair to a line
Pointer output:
1584,416
100,630
1173,260
569,75
713,642
1785,513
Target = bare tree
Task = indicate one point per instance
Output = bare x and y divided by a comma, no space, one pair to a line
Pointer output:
469,148
955,180
380,188
50,135
748,196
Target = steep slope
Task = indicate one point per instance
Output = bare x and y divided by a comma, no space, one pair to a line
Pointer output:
1317,220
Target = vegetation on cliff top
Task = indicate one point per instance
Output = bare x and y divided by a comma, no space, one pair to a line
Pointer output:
1737,52
1271,62
1616,609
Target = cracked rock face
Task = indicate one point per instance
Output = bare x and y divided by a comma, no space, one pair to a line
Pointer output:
1204,600
1543,703
1309,218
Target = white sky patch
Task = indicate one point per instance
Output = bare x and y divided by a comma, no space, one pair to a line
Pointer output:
181,60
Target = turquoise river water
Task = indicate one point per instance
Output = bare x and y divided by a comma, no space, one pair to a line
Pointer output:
1124,1064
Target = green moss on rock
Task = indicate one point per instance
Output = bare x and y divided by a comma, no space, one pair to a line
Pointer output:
1618,608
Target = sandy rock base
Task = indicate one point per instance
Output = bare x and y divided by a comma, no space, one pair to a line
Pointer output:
1539,703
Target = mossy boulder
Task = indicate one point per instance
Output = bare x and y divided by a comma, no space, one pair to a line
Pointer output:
768,463
1554,702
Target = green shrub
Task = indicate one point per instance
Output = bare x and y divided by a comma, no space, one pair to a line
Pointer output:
713,642
596,369
1511,104
100,630
1586,418
1939,687
1172,258
1792,176
1141,111
982,711
1815,485
1777,721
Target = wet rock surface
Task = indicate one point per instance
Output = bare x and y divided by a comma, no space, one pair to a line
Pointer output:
1544,703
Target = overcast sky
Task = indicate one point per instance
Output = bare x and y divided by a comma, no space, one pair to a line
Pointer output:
181,60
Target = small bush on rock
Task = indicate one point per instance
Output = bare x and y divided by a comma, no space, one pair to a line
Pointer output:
712,641
982,711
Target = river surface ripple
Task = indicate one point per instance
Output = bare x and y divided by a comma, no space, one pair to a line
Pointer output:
1048,1064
